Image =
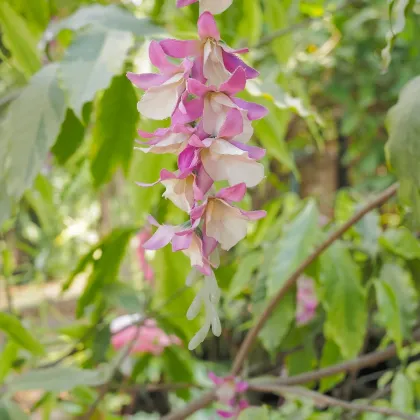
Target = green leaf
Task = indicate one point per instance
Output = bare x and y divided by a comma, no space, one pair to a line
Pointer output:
304,359
29,130
244,273
123,296
107,18
11,411
251,26
331,355
343,298
90,63
19,41
19,334
37,12
253,413
58,379
7,357
115,130
70,138
402,397
105,267
407,299
400,8
389,312
401,242
279,323
403,147
294,246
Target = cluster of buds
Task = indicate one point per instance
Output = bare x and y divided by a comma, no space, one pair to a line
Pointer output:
197,87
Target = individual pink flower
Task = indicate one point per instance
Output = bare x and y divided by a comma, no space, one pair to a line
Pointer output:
226,159
213,6
143,236
307,301
223,222
215,60
218,103
163,90
227,390
148,338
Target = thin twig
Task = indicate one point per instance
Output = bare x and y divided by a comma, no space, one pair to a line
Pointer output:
361,362
253,333
327,401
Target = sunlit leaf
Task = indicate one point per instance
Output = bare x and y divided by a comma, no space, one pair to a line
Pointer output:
115,130
11,325
401,242
243,275
90,63
343,298
19,40
331,355
402,397
7,357
294,246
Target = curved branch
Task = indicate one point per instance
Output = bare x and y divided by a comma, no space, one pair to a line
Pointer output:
253,333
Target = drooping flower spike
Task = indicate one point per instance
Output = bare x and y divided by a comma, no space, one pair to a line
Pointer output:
209,134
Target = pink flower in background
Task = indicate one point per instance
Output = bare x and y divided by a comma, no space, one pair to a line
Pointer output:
227,392
307,301
149,338
212,6
143,236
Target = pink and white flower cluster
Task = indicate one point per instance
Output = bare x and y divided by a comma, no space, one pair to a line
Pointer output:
197,87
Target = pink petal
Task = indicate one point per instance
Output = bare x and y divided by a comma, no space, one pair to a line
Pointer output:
197,212
209,244
225,414
207,27
188,110
233,125
203,183
181,242
197,88
147,80
255,111
215,379
159,60
232,194
187,159
241,386
195,141
254,152
243,404
152,221
254,215
180,49
161,238
197,71
232,62
235,84
160,132
183,3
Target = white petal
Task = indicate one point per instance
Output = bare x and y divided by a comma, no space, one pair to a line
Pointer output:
159,102
225,223
214,6
180,192
215,112
214,68
194,252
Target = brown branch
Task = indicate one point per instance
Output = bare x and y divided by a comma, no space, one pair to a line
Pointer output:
361,362
327,401
253,333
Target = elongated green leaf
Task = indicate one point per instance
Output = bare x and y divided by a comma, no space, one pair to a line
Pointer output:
105,267
70,138
402,397
407,298
29,131
109,17
403,146
90,63
401,242
344,299
19,40
58,379
331,355
278,325
294,246
7,357
389,311
243,275
115,130
19,334
305,358
251,25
